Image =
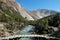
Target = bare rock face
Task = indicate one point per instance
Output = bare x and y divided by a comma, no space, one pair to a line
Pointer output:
40,13
24,12
19,8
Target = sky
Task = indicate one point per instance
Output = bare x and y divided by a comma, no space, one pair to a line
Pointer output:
40,4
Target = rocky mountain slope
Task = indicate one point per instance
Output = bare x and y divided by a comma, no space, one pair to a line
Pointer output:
40,13
18,7
35,14
10,18
30,15
14,17
24,12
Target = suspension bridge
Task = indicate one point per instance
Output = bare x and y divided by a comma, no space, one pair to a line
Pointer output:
31,35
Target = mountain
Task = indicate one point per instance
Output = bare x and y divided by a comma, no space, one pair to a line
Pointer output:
14,17
18,8
35,14
40,13
8,12
11,11
30,15
10,18
24,12
49,25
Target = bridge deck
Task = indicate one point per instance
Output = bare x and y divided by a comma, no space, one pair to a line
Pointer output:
18,36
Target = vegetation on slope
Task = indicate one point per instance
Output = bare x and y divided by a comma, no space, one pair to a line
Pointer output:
9,14
42,25
15,21
12,19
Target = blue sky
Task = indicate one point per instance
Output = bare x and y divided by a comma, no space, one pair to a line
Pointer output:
40,4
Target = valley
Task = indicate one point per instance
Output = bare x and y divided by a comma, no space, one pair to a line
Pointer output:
17,20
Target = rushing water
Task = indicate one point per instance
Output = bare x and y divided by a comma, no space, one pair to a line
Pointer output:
26,38
27,30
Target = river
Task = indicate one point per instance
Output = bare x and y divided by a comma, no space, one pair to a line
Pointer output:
27,30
